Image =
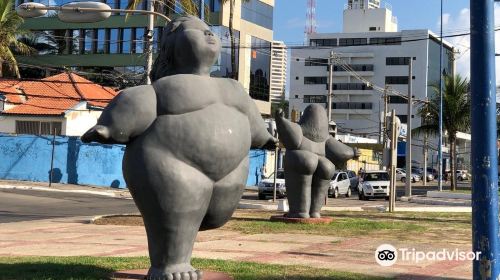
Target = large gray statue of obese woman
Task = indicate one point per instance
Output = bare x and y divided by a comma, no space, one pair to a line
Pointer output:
312,155
187,139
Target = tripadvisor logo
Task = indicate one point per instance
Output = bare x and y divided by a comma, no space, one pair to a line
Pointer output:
388,255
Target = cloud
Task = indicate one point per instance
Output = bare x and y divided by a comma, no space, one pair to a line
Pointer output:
460,23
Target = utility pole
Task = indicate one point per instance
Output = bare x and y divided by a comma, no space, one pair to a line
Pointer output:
408,130
384,127
149,42
202,10
393,161
330,88
484,143
425,160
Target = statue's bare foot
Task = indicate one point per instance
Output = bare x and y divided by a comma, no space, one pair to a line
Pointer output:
175,272
315,215
298,215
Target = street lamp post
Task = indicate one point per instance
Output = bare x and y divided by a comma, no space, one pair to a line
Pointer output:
440,142
86,12
484,143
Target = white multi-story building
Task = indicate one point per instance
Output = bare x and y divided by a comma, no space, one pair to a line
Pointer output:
371,47
278,71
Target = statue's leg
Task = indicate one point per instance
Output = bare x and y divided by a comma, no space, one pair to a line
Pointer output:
319,187
299,167
173,198
226,196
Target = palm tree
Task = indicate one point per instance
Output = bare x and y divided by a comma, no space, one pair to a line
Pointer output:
456,115
9,33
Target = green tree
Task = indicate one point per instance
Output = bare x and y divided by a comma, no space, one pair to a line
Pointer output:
9,34
456,115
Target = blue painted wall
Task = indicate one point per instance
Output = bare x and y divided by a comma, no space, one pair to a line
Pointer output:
27,158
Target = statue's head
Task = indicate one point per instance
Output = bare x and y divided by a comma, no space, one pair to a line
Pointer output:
314,123
187,45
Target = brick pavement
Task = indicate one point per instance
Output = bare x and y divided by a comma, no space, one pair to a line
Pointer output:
76,237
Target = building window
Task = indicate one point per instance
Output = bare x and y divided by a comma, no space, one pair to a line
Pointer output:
257,12
38,128
314,98
315,80
350,86
139,40
260,67
385,41
114,41
373,28
316,61
403,118
397,80
355,67
127,40
101,40
323,42
394,99
352,42
397,60
223,67
352,105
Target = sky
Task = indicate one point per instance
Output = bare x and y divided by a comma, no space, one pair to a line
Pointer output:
290,18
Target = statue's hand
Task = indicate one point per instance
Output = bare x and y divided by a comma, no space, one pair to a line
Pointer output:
271,143
357,152
98,133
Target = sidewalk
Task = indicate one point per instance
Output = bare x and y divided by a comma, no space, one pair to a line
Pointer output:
77,237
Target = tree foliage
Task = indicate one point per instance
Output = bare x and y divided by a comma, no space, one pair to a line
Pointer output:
9,43
456,115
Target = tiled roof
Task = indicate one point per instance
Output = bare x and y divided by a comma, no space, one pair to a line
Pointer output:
53,95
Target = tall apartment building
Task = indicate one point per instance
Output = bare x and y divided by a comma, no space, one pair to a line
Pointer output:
117,44
278,71
369,46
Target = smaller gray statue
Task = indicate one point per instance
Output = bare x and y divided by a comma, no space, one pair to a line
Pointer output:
312,155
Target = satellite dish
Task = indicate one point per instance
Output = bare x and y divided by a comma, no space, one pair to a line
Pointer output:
31,10
70,12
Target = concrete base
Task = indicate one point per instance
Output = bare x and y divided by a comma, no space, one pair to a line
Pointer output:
285,219
141,274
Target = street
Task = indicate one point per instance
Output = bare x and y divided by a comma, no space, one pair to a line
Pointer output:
26,205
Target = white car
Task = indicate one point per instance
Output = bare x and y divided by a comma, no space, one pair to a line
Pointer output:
266,186
374,184
340,184
401,176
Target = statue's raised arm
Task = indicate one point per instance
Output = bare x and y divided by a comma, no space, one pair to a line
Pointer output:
339,153
128,115
290,133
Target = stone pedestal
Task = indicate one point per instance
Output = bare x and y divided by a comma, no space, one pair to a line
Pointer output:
285,219
141,274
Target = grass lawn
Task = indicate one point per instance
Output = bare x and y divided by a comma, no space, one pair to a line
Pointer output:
454,228
103,267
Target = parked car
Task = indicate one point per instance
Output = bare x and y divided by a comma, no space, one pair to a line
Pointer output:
339,185
420,172
374,184
401,176
266,186
354,179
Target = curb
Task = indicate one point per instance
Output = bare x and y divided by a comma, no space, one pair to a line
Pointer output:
95,218
34,188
